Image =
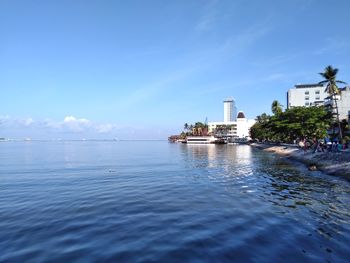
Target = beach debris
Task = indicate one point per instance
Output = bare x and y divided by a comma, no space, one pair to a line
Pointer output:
312,167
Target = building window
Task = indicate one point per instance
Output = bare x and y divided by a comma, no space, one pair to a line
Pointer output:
306,93
306,98
317,92
317,97
307,104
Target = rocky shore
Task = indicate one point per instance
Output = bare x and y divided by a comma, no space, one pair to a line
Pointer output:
327,162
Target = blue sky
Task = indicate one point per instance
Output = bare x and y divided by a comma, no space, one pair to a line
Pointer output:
141,69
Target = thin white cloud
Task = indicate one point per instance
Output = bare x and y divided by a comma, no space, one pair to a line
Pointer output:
9,121
28,121
274,77
72,128
75,124
209,17
4,119
79,125
332,45
105,128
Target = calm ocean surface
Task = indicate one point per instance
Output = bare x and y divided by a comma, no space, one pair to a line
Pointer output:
160,202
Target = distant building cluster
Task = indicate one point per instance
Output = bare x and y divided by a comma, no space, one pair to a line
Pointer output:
234,125
314,95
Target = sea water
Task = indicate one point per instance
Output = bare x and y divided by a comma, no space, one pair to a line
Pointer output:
135,201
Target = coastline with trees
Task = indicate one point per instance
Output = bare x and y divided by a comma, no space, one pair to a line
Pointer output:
314,135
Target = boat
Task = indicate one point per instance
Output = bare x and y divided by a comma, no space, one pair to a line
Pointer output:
237,140
200,139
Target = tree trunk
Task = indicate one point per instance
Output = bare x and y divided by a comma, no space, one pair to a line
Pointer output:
337,112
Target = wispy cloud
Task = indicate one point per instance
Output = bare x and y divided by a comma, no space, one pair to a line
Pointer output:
243,40
197,63
209,17
69,123
106,128
74,128
76,124
8,120
333,45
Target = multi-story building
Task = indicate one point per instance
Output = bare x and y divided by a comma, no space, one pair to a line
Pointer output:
230,110
306,95
315,94
343,102
233,126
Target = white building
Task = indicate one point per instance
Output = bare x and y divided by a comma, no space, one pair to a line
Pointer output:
315,94
230,110
243,125
236,129
306,95
343,102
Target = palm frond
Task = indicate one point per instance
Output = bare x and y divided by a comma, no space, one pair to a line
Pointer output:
340,81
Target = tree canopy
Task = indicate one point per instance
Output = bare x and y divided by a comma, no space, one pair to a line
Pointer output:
294,123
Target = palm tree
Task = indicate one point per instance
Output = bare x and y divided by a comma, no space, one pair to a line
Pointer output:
330,76
190,127
276,107
186,126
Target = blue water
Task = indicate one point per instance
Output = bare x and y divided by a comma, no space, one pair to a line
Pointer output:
160,202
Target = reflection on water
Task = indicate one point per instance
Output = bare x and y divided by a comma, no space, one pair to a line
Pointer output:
154,201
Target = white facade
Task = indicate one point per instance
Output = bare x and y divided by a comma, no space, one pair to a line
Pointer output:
239,128
315,94
343,102
306,95
214,128
230,110
243,127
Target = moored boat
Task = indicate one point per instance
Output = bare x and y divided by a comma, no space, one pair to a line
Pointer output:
200,139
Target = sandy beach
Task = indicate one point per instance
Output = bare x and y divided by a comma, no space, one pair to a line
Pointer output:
327,162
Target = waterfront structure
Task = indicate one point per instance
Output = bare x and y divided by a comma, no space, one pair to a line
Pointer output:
306,95
200,139
243,125
233,129
230,110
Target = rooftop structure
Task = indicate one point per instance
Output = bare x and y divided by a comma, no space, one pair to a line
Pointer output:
240,115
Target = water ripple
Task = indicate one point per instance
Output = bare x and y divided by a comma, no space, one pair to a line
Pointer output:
159,202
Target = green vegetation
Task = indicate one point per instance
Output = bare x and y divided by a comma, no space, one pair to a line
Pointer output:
222,130
303,122
330,76
291,124
198,129
276,107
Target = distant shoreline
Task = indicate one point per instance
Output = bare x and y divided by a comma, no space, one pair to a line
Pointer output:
82,140
327,162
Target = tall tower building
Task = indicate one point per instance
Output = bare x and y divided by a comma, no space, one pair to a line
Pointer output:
230,110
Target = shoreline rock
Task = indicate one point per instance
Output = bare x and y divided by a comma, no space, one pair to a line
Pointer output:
327,162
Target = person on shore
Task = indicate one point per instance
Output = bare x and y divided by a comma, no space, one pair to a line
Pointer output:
339,147
301,144
322,145
315,146
334,147
305,145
